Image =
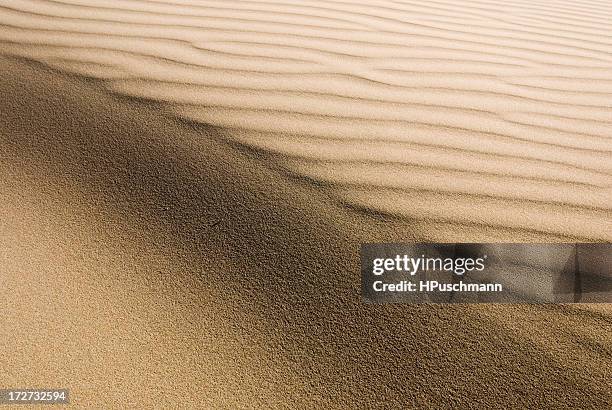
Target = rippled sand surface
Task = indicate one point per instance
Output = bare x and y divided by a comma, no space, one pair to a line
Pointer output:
485,113
184,186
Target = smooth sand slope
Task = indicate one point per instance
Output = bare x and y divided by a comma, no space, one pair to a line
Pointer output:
189,239
482,113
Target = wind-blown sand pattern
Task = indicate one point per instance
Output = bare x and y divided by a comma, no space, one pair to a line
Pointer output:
182,232
486,113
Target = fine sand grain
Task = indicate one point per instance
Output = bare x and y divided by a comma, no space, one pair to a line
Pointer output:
184,187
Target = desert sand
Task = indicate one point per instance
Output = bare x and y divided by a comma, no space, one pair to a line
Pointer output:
185,186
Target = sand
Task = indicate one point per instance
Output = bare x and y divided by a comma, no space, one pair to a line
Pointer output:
185,187
475,113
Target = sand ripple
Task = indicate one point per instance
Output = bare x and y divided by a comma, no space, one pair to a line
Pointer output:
485,113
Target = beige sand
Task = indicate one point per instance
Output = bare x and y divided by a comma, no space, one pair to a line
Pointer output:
202,251
480,112
141,270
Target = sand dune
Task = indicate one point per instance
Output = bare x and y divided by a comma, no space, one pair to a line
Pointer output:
143,271
185,185
485,113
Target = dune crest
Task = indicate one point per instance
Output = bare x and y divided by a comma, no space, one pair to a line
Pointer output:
484,113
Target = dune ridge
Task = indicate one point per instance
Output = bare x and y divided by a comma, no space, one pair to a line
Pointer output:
489,113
